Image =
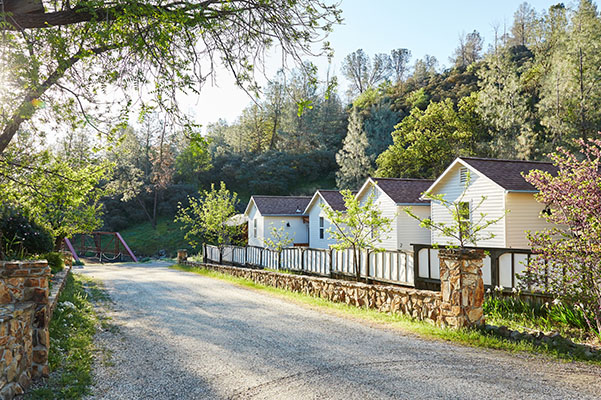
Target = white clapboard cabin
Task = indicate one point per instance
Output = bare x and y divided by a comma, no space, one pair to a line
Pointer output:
265,212
319,238
506,191
392,196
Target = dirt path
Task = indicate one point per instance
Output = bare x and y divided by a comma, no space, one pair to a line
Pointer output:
185,336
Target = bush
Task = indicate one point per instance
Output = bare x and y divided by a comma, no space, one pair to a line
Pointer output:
21,236
56,261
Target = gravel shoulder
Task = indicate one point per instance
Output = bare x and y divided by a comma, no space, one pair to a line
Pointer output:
178,335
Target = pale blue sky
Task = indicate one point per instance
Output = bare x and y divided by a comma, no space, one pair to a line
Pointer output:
378,26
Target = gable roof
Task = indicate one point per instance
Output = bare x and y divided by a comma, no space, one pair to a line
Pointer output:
279,205
332,198
508,173
403,191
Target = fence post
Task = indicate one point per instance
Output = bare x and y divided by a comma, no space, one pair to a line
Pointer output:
204,253
366,265
220,255
280,260
494,269
331,252
302,257
261,258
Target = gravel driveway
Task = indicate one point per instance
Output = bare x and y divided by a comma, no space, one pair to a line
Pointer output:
185,336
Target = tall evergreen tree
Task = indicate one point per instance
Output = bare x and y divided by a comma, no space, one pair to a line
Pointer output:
505,107
352,158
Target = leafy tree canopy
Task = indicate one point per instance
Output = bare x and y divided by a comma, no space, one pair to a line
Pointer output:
65,59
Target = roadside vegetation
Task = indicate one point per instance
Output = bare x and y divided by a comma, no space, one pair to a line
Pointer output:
469,337
72,330
515,313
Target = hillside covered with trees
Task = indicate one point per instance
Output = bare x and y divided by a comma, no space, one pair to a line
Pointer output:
534,87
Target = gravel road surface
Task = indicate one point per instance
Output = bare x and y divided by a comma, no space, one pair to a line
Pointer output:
185,336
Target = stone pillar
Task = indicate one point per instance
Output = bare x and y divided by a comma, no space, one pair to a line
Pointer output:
24,324
182,255
462,288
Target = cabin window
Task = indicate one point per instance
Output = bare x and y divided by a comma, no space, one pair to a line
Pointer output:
321,228
463,175
463,210
255,228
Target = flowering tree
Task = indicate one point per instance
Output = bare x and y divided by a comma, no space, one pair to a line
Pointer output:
359,227
569,265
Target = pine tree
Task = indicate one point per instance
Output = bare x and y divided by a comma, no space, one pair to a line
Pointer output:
352,158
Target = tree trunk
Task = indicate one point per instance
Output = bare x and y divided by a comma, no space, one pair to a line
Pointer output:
357,254
58,243
154,209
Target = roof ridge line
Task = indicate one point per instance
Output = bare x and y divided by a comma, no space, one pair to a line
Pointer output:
505,160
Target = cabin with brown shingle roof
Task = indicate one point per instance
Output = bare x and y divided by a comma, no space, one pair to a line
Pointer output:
392,196
319,238
506,191
266,212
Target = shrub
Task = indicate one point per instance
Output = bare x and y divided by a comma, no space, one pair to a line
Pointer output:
56,261
21,236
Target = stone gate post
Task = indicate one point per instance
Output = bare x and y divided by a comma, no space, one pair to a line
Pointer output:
462,288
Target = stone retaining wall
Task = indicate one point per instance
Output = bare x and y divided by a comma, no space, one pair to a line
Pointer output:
423,305
24,316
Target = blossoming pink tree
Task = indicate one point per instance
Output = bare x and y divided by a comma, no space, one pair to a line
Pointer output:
569,264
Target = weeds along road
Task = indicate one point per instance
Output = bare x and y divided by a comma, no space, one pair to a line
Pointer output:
184,336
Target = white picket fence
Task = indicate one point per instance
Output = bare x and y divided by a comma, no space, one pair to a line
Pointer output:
386,266
501,266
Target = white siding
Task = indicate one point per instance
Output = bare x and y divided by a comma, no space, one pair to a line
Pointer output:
297,230
314,241
389,210
408,227
253,215
524,215
493,206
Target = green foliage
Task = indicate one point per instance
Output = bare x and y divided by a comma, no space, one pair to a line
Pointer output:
145,47
278,238
359,227
72,349
206,217
193,159
21,236
467,225
426,142
56,261
514,311
145,241
352,158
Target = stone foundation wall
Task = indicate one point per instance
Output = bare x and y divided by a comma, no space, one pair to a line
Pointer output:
23,324
423,305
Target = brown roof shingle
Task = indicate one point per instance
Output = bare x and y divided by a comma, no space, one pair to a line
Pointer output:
508,173
334,199
404,190
281,205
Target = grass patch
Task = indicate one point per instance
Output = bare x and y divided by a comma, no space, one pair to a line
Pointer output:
146,241
72,330
519,314
469,337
